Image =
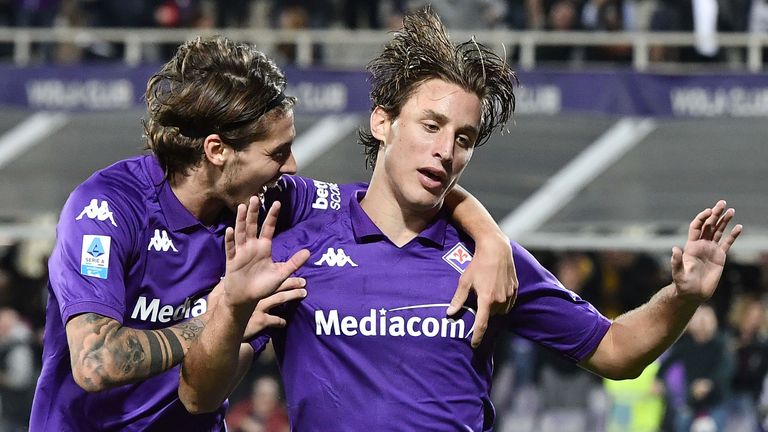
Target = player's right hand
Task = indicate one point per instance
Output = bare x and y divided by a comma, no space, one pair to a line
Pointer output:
251,275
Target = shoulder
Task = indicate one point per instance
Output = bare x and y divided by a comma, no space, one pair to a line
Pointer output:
115,196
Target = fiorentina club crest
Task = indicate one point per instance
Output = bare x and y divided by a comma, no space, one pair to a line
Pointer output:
458,257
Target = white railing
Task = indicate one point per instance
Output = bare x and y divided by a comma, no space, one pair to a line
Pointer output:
139,41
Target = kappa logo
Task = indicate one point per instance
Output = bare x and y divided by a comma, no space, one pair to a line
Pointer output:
458,257
160,242
96,210
335,258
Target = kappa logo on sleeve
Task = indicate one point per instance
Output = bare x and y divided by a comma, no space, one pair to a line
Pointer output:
98,211
458,257
94,259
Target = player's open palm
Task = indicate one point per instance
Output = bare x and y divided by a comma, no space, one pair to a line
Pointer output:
251,275
696,270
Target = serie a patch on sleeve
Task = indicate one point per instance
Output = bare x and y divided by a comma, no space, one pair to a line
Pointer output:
94,260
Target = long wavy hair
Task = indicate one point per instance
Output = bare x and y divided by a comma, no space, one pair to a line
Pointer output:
421,51
211,85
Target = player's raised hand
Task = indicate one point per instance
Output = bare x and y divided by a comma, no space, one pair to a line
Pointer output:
696,269
491,274
251,275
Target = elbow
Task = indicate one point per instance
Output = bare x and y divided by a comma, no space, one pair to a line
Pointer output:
88,383
625,373
193,403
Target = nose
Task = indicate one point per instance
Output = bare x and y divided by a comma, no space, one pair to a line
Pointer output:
290,166
443,148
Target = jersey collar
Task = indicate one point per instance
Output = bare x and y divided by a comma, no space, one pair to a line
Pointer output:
366,231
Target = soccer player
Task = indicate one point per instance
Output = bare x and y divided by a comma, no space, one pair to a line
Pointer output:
369,348
141,243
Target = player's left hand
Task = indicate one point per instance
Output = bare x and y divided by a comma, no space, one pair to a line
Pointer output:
696,269
491,274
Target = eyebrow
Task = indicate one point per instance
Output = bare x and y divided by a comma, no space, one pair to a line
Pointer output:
443,119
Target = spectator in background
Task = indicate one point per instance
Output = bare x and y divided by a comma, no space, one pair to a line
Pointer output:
635,405
747,319
467,14
264,411
621,281
610,16
708,364
233,13
17,371
758,17
558,15
353,10
566,389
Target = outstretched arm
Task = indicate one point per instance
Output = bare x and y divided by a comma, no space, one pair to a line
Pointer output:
491,273
252,286
638,337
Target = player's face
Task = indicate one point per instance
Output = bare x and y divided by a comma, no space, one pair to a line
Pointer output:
261,164
427,147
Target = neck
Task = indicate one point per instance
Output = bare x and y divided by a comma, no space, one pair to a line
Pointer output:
399,223
195,193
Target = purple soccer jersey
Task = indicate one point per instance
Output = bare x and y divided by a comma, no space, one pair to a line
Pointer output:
370,347
127,249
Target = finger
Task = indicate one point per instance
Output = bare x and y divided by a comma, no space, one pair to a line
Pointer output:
270,222
252,217
295,262
481,324
722,223
229,243
240,226
676,261
292,283
273,321
459,297
279,298
710,224
694,229
511,302
726,245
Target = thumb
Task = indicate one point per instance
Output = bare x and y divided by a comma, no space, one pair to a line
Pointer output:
677,262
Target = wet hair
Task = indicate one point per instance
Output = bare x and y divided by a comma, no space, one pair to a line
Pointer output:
211,85
421,51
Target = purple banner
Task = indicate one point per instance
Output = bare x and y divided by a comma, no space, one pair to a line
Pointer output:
117,87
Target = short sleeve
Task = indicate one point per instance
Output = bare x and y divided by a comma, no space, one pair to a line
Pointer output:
94,247
551,315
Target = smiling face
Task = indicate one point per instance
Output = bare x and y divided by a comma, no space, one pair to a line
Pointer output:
259,165
426,148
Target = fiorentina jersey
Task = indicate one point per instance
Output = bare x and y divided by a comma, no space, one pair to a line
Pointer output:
129,250
371,349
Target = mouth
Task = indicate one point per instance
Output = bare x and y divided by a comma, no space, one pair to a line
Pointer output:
434,174
432,178
268,185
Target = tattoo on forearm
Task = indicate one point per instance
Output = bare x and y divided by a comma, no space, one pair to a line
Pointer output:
191,329
129,357
176,350
155,354
108,354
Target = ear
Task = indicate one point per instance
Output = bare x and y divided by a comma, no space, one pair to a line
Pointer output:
216,152
380,124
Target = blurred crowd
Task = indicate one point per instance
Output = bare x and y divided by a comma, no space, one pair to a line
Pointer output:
704,17
712,379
